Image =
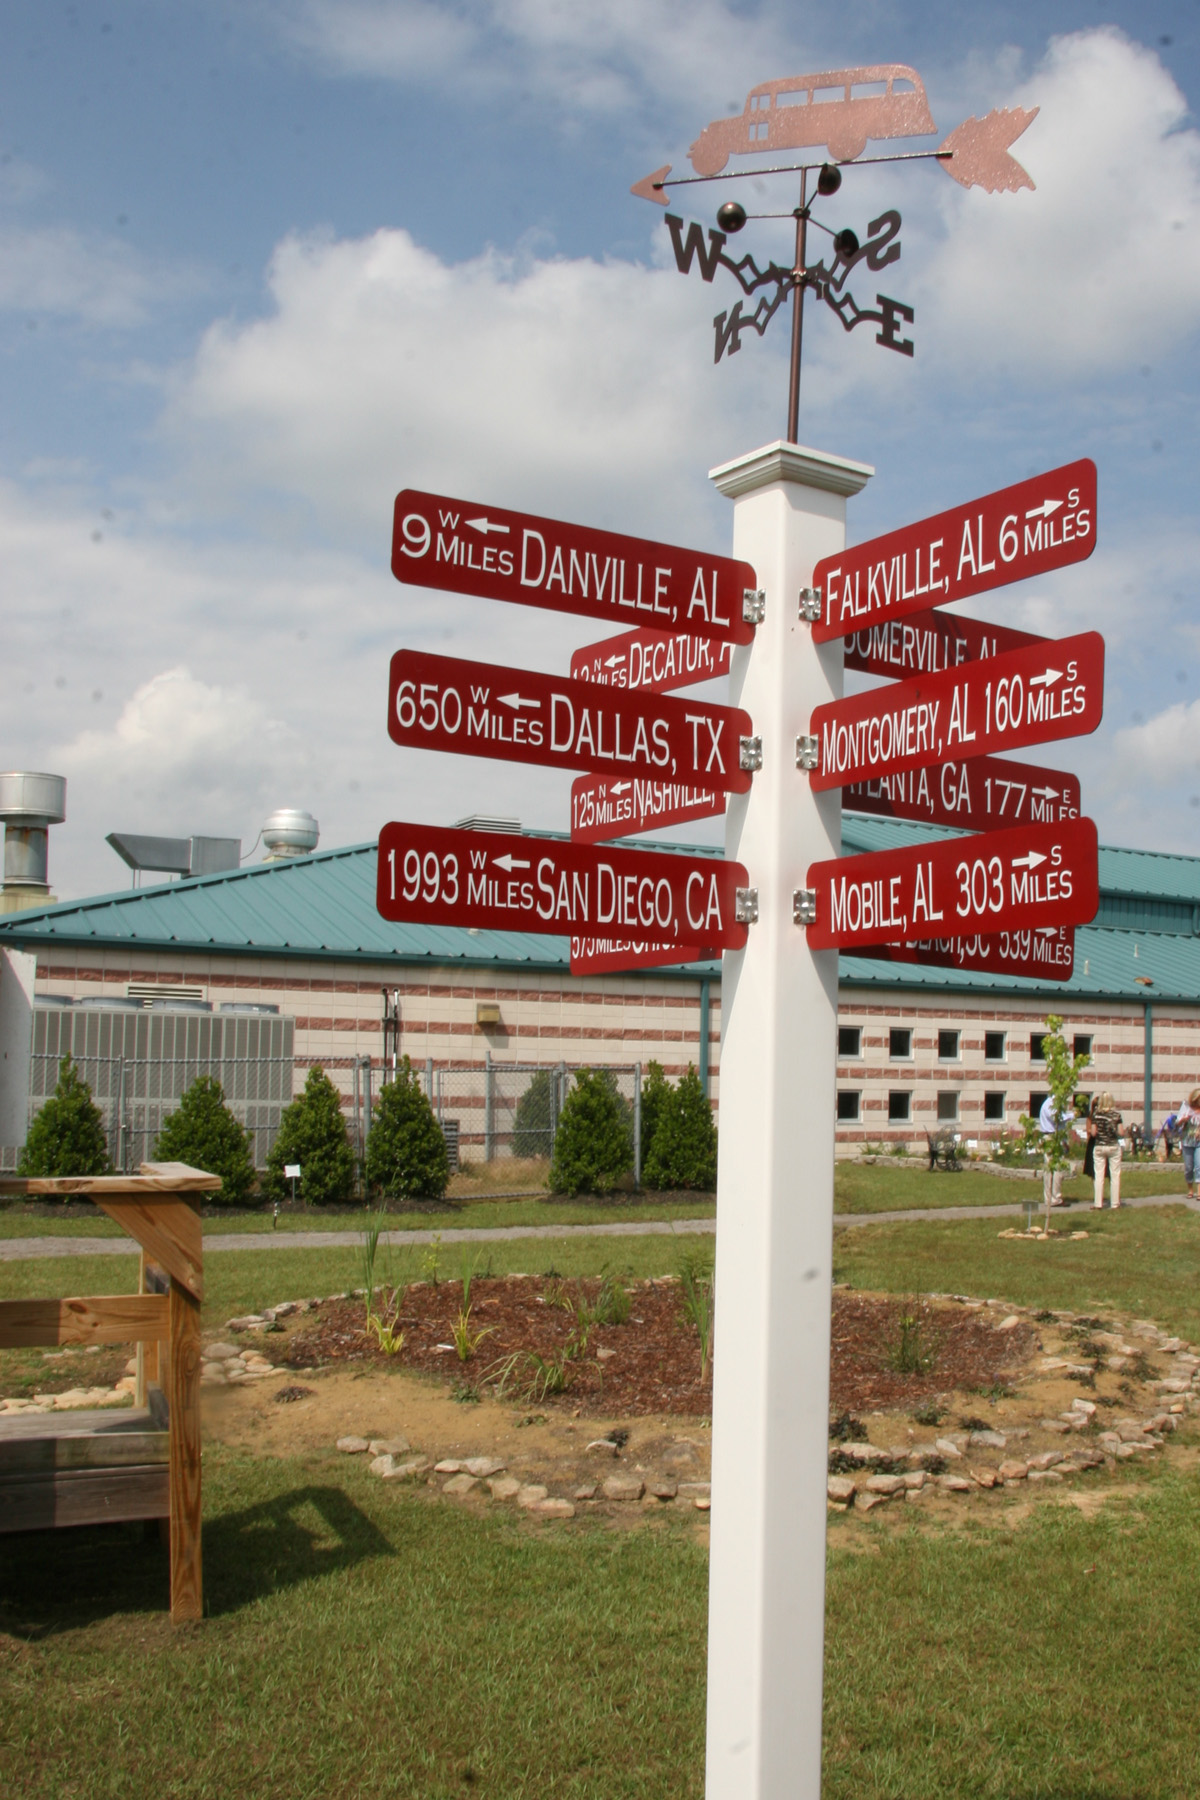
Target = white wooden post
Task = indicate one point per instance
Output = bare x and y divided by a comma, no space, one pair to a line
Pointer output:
766,1634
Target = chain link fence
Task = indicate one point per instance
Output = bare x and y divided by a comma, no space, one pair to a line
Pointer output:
494,1111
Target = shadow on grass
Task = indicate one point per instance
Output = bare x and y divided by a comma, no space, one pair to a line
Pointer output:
56,1581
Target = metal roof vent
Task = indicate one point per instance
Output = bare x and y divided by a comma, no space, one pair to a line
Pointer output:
176,856
486,822
290,831
29,804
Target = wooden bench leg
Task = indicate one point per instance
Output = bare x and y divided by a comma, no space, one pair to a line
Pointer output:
183,1393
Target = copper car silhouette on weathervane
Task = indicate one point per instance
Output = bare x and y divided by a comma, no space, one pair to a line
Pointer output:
840,110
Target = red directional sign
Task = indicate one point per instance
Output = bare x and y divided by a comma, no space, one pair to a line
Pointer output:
505,881
1055,689
477,709
1036,875
604,807
1024,530
1047,954
468,548
609,956
926,642
651,659
975,796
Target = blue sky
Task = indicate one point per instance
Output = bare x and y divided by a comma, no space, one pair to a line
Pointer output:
263,265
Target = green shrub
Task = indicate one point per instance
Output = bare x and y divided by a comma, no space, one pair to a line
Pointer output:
655,1089
67,1137
593,1146
533,1122
312,1132
683,1153
204,1133
406,1152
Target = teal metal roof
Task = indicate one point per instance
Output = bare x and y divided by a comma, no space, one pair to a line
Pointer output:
1143,946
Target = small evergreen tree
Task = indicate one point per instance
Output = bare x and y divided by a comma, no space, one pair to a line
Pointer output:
406,1152
593,1146
203,1132
67,1137
655,1089
684,1151
533,1122
312,1132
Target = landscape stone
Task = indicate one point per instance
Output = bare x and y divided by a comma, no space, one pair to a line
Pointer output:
1011,1470
864,1453
400,1471
221,1352
553,1509
530,1494
1061,1426
1044,1475
353,1446
249,1322
460,1484
623,1487
702,1503
954,1484
586,1491
984,1478
605,1444
989,1440
1046,1460
866,1502
662,1490
947,1447
688,1490
1009,1324
448,1466
483,1466
397,1446
840,1490
887,1485
504,1487
915,1480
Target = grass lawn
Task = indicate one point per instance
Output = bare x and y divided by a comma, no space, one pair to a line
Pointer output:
1144,1263
363,1641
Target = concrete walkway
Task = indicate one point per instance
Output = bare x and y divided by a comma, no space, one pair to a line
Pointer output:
22,1249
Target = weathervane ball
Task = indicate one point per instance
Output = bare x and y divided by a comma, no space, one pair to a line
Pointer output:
731,216
846,243
829,180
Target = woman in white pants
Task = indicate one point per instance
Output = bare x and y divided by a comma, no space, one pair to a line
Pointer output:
1106,1132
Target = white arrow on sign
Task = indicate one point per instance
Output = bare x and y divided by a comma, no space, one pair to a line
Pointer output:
1046,680
1044,793
515,701
621,787
613,662
1028,862
1044,510
509,862
485,525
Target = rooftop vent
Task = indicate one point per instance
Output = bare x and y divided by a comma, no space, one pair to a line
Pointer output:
29,804
487,822
290,831
176,856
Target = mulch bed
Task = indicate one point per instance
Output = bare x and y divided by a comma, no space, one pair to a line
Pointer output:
655,1362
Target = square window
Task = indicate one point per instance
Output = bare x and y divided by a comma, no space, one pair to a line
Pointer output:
947,1046
947,1106
1036,1051
850,1041
993,1107
993,1046
898,1107
1083,1044
1036,1103
899,1044
847,1105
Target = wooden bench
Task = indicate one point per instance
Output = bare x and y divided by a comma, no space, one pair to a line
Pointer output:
96,1467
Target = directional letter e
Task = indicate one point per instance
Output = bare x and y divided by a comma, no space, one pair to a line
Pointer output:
893,311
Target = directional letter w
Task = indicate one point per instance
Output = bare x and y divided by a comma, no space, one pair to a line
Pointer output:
693,246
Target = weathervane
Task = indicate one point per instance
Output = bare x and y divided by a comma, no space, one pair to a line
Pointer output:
838,111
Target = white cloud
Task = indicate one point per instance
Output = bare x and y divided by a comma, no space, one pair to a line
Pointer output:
1102,262
560,384
56,269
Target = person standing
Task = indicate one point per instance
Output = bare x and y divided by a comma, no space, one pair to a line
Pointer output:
1187,1136
1049,1121
1106,1133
